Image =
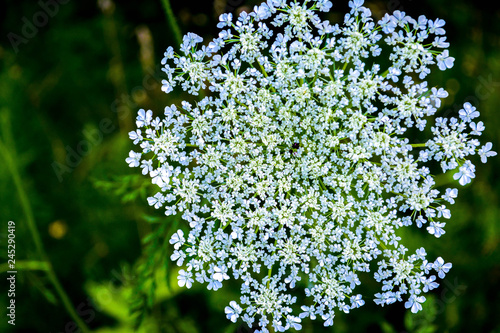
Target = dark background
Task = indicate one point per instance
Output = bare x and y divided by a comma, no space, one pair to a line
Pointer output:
69,90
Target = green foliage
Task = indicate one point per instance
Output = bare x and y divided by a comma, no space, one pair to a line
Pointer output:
154,260
87,65
422,322
127,187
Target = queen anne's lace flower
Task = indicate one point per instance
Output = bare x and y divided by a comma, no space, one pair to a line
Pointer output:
296,168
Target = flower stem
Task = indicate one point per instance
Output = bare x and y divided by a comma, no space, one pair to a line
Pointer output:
172,21
28,212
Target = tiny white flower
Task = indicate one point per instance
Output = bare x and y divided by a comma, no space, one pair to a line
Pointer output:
144,118
436,229
414,303
445,61
185,279
465,173
486,152
294,322
478,128
233,311
177,239
219,275
441,267
133,159
468,113
450,195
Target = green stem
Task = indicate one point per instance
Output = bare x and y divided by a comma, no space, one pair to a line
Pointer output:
345,66
26,265
265,74
269,273
418,145
8,160
172,21
22,197
65,299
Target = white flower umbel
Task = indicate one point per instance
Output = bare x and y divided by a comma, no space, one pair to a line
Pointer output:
296,166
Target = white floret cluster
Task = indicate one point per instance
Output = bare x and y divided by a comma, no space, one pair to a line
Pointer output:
293,164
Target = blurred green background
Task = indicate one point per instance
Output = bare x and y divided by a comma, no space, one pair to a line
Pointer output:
72,76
